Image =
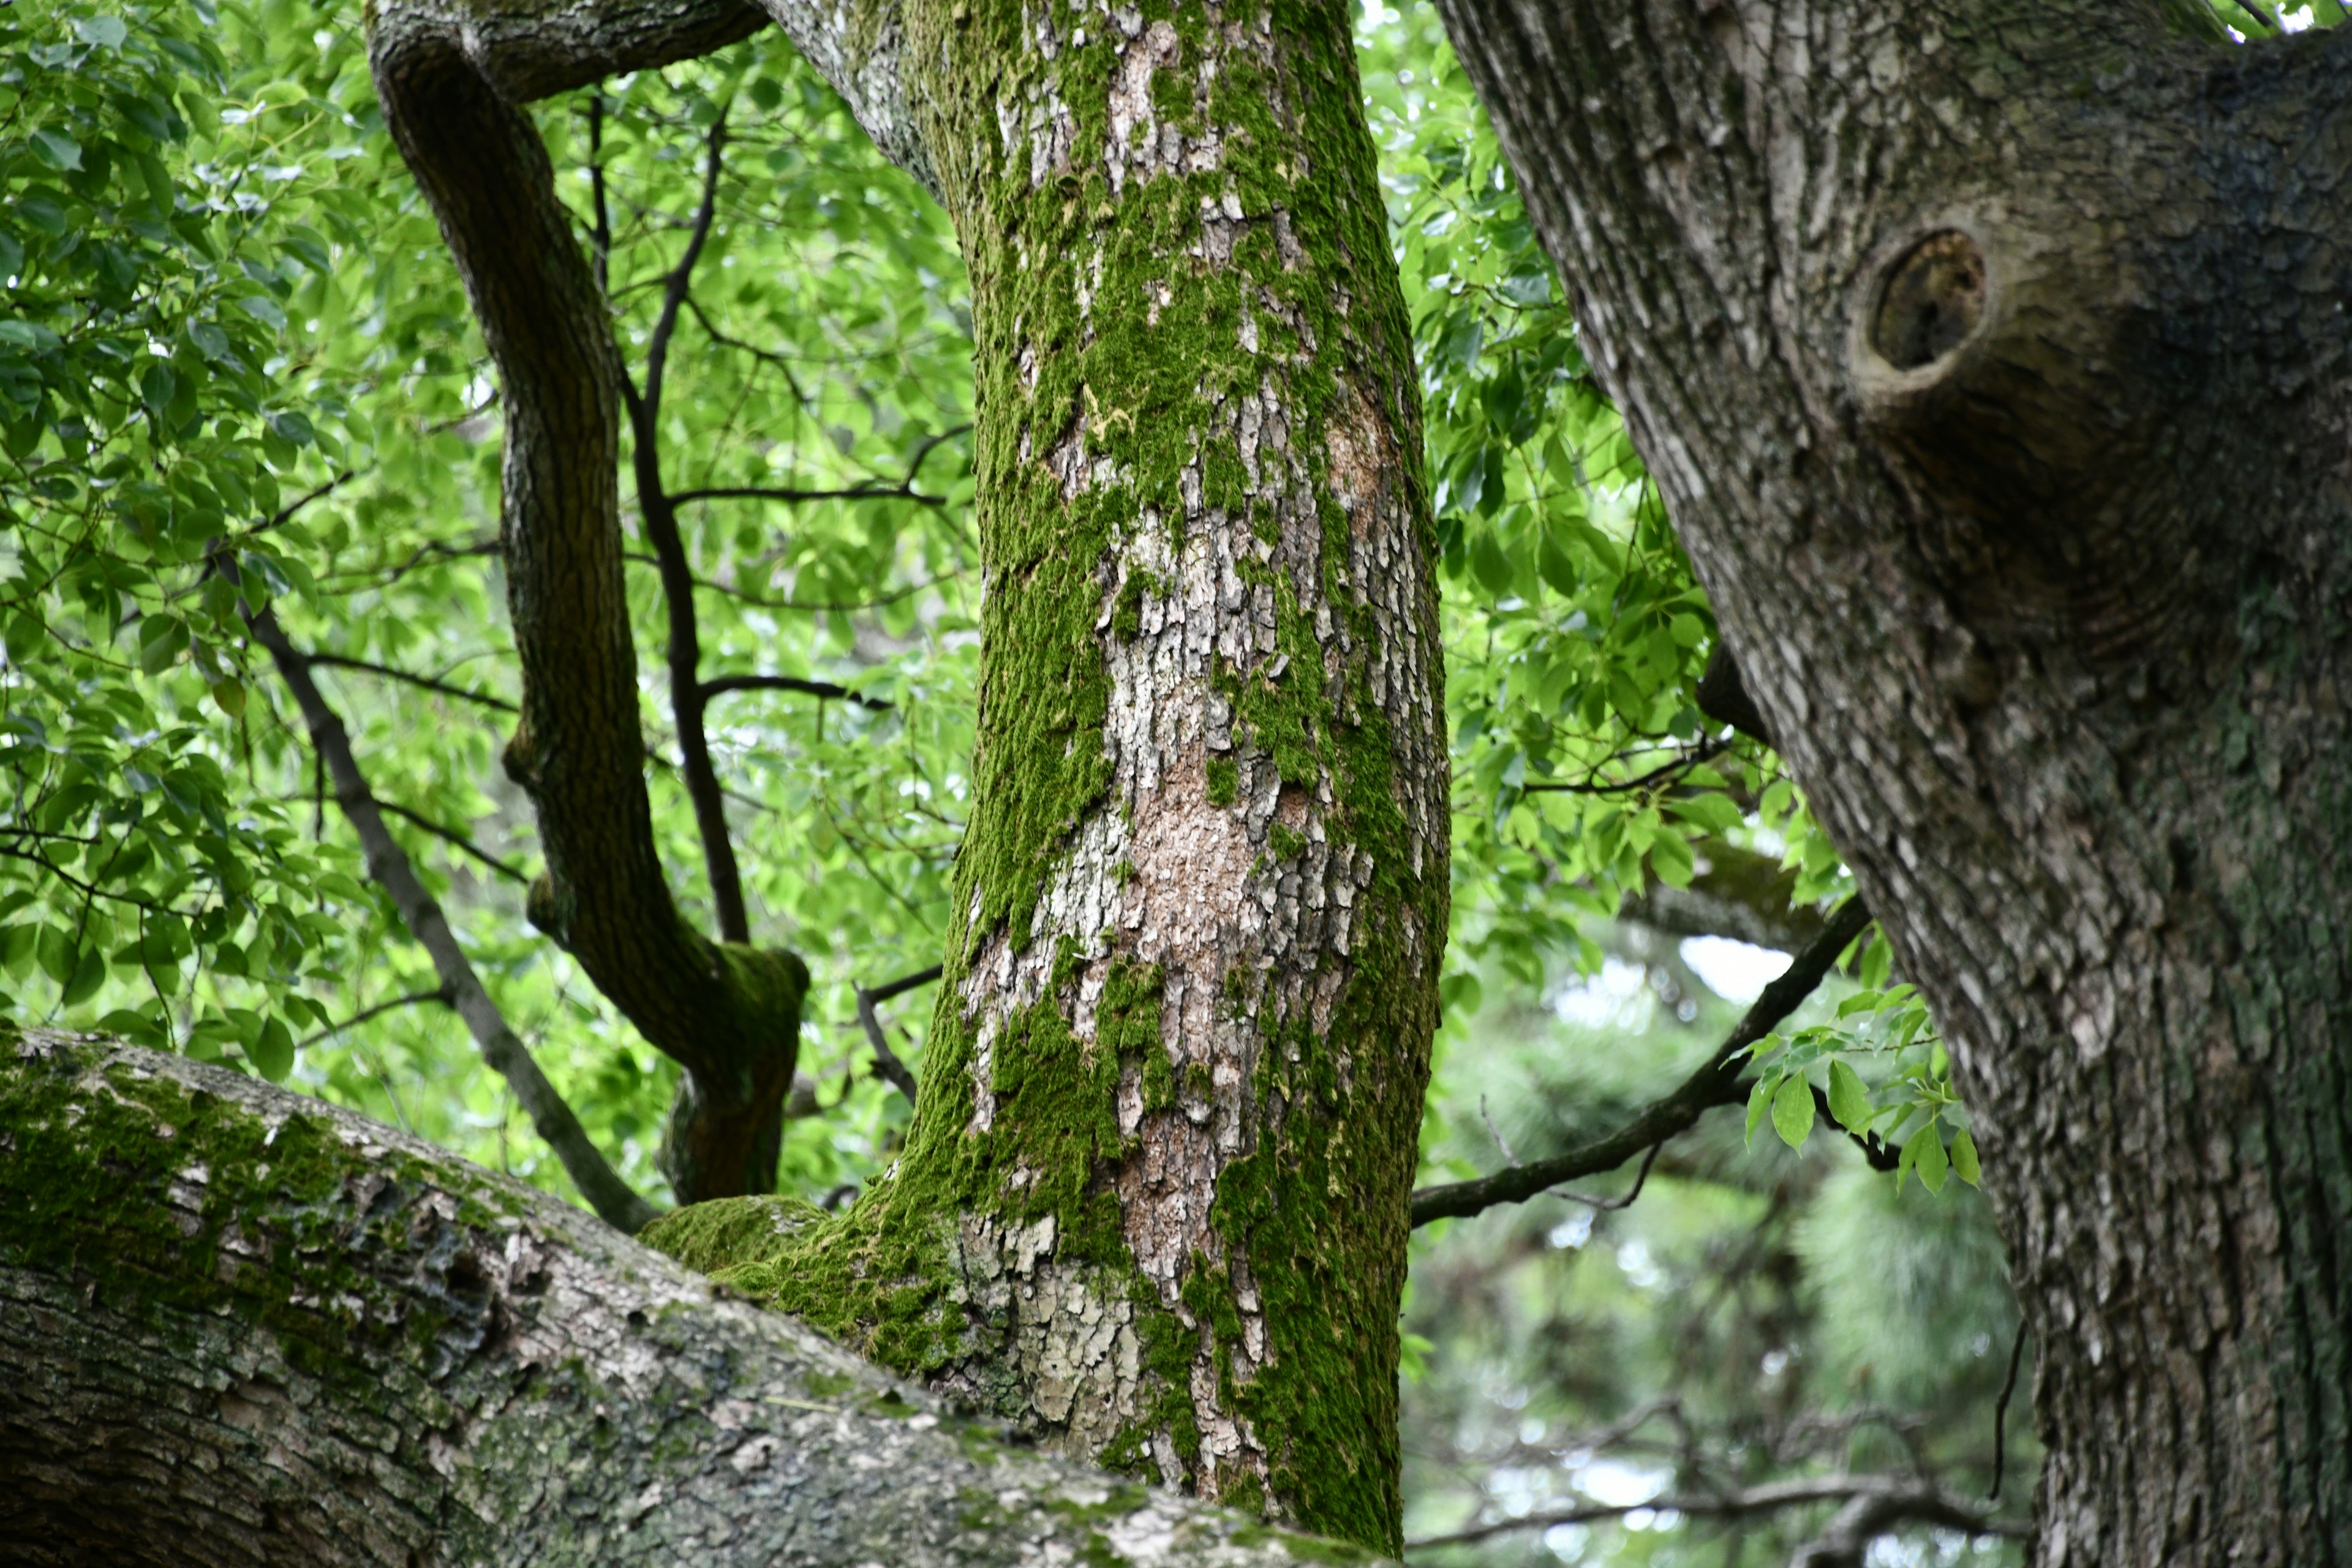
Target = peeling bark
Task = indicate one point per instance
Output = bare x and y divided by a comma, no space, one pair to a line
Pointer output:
238,1326
1992,361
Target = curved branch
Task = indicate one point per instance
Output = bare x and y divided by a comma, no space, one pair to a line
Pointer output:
239,1327
1718,1082
452,88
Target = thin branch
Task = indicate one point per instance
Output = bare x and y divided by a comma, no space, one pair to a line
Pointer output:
660,513
726,683
2000,1408
612,1198
1717,1082
886,1064
285,514
904,984
855,492
391,672
1605,1205
1893,1502
812,607
414,999
600,237
450,836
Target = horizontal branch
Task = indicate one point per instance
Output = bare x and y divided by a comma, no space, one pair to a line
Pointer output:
253,1327
414,999
1893,1499
410,677
1717,1082
762,492
720,685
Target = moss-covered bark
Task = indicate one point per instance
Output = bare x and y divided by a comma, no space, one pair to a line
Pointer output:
238,1327
1153,1206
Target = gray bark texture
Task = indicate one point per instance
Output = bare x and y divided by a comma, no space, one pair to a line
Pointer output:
1991,358
241,1327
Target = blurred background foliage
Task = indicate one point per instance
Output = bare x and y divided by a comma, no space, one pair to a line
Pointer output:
233,339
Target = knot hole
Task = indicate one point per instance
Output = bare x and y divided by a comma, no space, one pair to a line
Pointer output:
1932,301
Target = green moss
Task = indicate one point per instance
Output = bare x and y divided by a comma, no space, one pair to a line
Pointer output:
1287,842
1224,780
134,1185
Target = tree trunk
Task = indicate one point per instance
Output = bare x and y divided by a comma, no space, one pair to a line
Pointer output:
238,1327
1991,359
1153,1206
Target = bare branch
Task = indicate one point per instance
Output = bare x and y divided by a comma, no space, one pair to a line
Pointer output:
414,999
726,683
409,677
450,836
1886,1501
611,1197
855,492
1717,1082
886,1064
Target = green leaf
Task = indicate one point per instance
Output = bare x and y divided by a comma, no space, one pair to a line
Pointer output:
1933,1167
272,1050
1964,1157
1792,1110
1491,566
1849,1099
106,32
57,150
88,975
1759,1101
1670,860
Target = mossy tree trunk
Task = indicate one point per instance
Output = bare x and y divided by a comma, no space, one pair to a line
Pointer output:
1993,361
239,1327
1153,1208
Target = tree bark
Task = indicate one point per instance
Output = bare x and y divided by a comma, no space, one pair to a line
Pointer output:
1992,361
238,1326
1153,1206
451,84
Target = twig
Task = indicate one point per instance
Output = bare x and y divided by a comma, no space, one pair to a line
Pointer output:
409,677
413,998
1717,1082
886,1064
855,492
1605,1205
452,837
1891,1501
2001,1409
612,1198
726,683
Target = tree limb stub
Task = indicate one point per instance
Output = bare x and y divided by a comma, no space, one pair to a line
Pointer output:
451,85
238,1326
1718,1082
550,1115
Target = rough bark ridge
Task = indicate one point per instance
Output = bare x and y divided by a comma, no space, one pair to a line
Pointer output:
1154,1205
451,81
1991,358
241,1327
